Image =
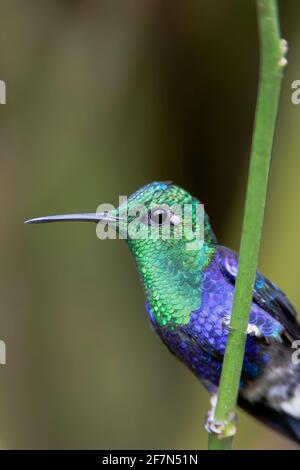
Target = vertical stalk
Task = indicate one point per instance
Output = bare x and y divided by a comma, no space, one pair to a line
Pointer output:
272,61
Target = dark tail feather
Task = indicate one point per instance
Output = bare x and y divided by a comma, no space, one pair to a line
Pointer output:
294,425
280,422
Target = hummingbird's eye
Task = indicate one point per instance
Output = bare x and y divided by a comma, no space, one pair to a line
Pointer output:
158,216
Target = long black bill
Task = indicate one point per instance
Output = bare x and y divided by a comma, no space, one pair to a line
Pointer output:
92,217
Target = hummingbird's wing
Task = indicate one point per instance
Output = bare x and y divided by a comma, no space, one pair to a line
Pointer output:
266,294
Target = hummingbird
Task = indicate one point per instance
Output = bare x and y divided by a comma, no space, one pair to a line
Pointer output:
189,281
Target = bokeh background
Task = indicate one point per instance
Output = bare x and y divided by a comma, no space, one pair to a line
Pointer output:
103,97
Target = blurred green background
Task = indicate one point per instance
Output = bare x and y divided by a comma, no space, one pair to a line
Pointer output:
103,97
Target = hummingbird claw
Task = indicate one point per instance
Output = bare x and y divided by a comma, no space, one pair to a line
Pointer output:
227,325
253,330
220,428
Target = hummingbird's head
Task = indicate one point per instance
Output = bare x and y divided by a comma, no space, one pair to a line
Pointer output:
162,211
172,242
169,235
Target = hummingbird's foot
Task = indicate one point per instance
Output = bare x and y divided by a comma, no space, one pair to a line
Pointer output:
253,330
222,429
227,326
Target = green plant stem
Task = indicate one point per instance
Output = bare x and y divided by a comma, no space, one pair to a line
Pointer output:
272,61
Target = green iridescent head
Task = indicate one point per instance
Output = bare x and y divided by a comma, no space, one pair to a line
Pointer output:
171,240
172,244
